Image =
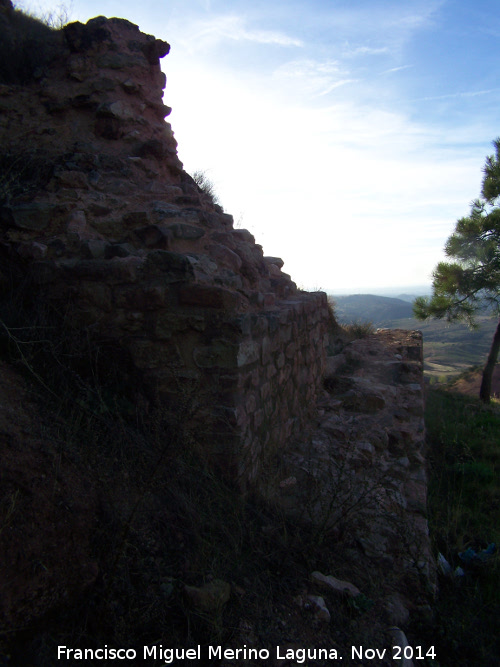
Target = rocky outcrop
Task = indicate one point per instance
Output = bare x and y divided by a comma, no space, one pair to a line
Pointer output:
99,216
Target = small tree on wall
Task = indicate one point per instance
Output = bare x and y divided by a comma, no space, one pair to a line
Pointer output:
471,282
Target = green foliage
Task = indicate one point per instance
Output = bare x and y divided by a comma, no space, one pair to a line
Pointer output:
464,511
465,454
491,181
463,286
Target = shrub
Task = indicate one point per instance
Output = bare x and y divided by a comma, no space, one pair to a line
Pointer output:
206,186
359,329
340,334
27,46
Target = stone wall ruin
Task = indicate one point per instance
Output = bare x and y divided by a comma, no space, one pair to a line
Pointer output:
98,214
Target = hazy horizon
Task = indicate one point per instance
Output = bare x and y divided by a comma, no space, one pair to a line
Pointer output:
393,291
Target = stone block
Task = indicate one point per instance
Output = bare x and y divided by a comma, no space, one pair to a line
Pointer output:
207,296
32,250
184,231
271,371
265,391
276,261
159,188
33,216
150,355
72,179
285,334
266,350
113,60
284,315
224,256
333,364
171,266
94,249
113,271
135,218
173,322
250,404
243,236
255,376
154,236
98,295
248,353
109,128
149,297
219,354
164,211
258,418
269,299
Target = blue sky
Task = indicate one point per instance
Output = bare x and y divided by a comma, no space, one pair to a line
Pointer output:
347,135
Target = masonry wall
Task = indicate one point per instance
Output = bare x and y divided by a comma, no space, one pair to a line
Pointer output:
99,218
278,391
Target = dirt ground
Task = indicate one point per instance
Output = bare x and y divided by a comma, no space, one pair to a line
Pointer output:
469,384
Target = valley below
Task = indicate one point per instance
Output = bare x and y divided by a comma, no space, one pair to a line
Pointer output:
449,348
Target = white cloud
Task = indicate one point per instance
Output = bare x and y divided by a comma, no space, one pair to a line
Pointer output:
311,77
364,51
206,34
470,93
392,70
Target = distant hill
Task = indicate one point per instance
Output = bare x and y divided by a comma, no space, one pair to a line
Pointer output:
370,307
449,349
408,297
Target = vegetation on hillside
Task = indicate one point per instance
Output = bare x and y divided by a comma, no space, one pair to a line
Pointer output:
376,309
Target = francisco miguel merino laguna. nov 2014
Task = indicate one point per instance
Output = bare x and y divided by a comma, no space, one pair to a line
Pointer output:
299,655
170,655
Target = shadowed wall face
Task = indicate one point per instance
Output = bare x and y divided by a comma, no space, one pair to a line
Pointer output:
98,214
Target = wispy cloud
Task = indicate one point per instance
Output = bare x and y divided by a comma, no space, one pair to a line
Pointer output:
470,93
312,77
392,70
231,27
364,51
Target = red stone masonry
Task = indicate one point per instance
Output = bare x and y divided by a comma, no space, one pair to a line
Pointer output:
109,228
